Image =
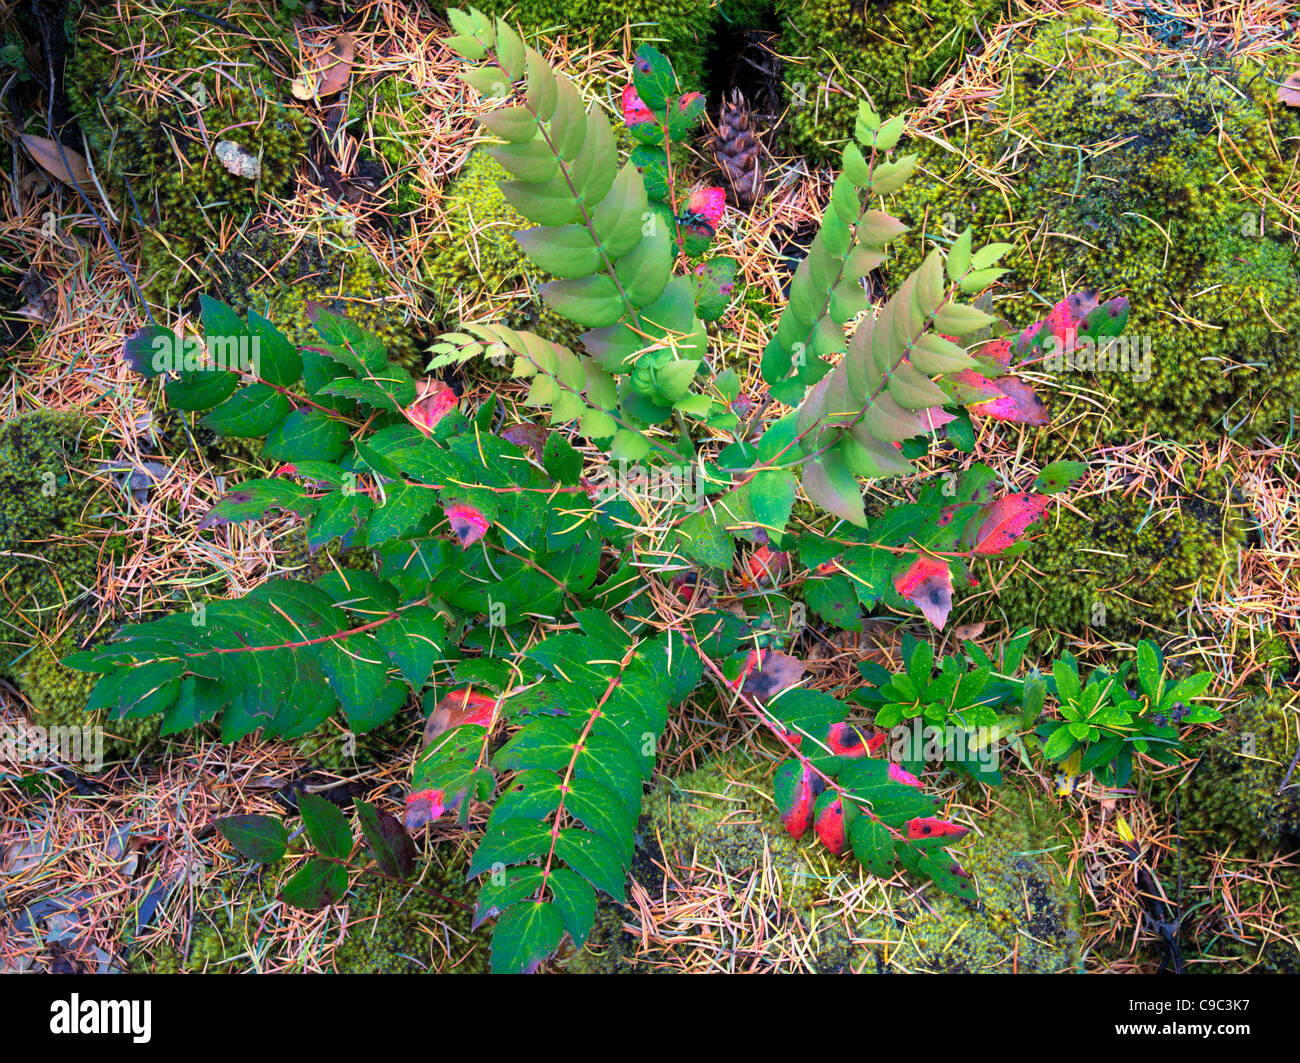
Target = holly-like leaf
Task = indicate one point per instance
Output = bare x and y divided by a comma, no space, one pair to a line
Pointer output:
714,282
262,839
387,840
327,827
653,78
526,934
834,599
318,884
149,350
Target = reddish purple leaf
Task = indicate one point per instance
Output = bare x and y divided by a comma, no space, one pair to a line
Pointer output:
776,672
635,112
1006,399
528,437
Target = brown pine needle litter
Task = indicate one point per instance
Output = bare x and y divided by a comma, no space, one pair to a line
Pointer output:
128,861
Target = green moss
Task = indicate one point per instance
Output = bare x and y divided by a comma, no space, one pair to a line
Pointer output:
45,565
1142,182
1026,920
879,51
128,82
396,929
1027,914
1122,563
477,255
383,112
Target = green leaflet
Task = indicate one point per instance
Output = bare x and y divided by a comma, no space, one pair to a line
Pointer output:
571,762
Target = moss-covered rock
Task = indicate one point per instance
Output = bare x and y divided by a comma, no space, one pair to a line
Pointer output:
1139,176
1237,829
279,276
1122,564
394,928
391,927
883,51
1235,795
155,93
58,698
678,28
45,564
1026,918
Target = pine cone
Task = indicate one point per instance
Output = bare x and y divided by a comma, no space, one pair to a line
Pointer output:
737,152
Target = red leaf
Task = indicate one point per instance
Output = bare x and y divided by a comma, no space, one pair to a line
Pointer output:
635,112
1006,399
927,584
708,203
934,418
468,524
433,400
424,807
845,740
1289,92
930,827
902,775
998,351
830,827
1027,335
797,789
1061,324
457,708
766,564
1007,520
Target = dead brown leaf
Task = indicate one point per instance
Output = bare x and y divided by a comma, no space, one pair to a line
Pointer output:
327,71
1289,93
969,631
50,159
